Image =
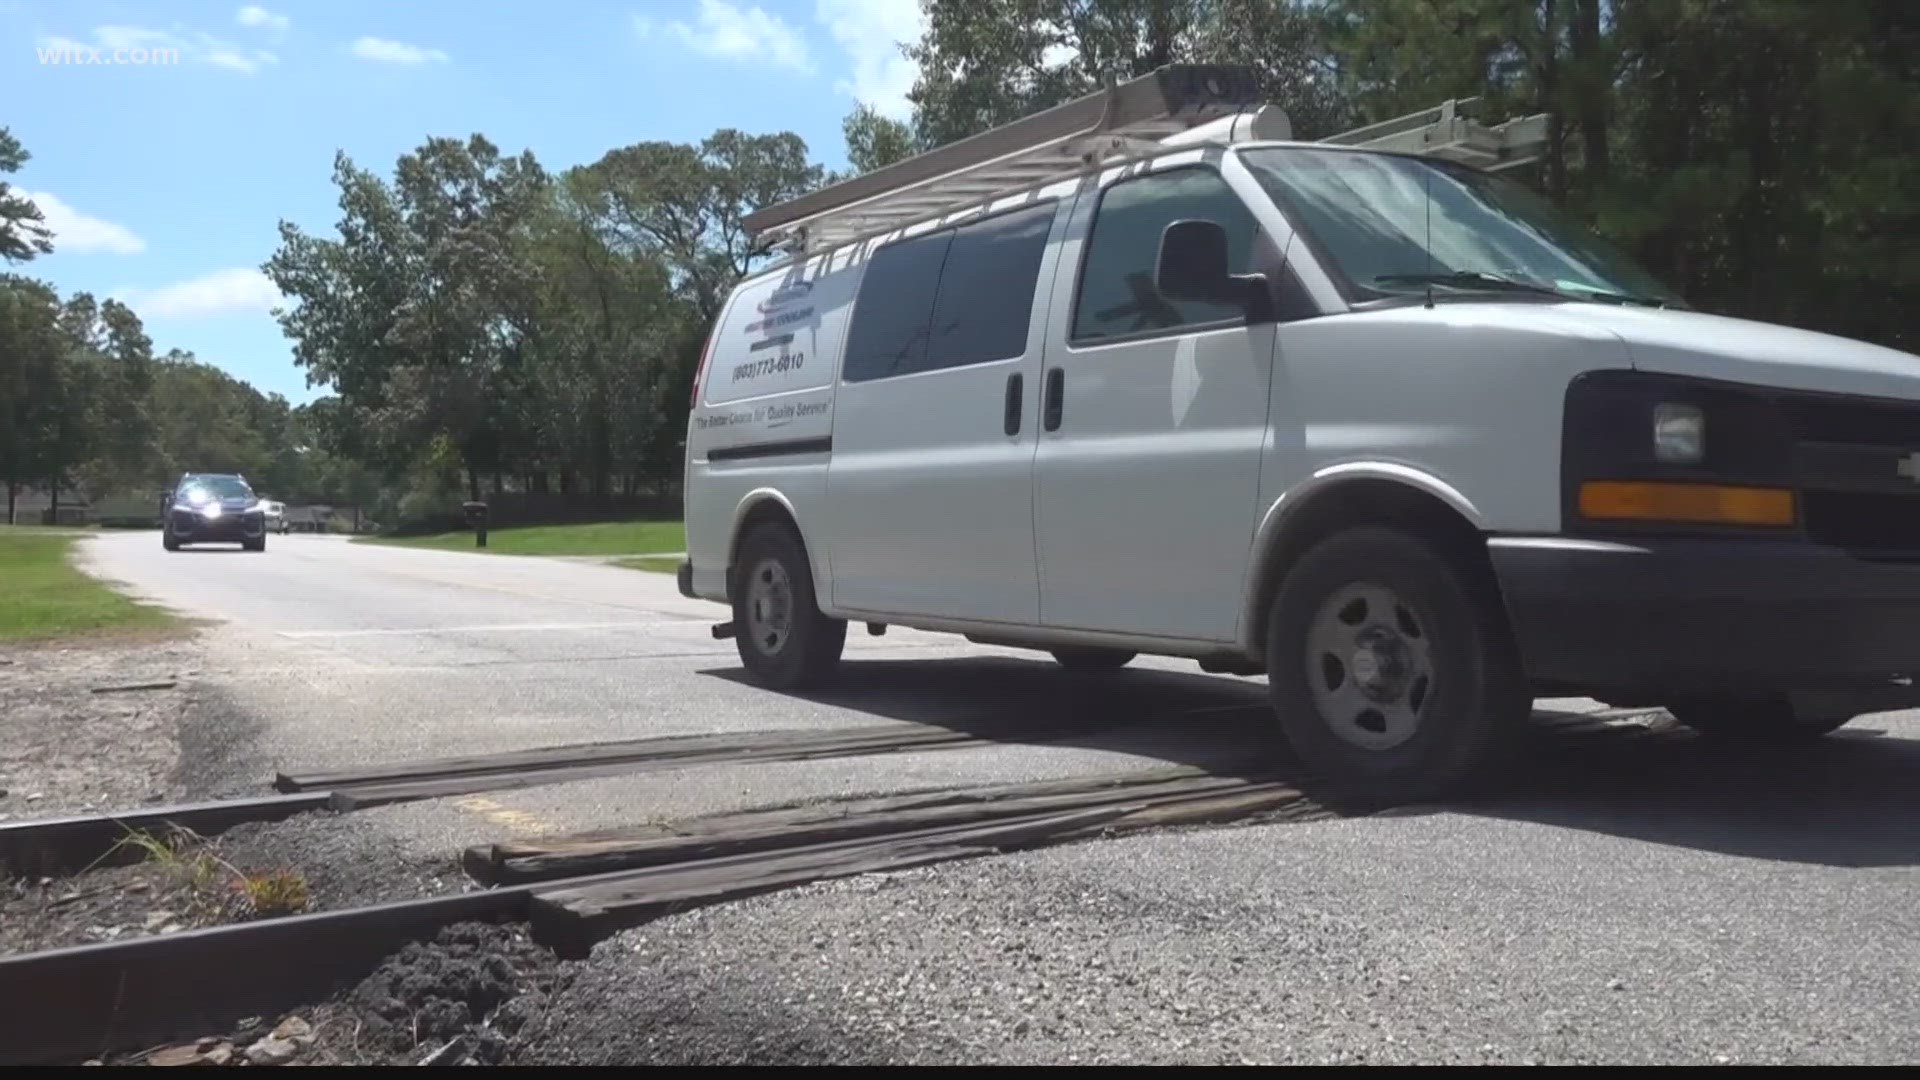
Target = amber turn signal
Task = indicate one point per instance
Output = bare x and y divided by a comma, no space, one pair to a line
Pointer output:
1705,504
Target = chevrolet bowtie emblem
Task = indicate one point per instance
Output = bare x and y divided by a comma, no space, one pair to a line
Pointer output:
1909,466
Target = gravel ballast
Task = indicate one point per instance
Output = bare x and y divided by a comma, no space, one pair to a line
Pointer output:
1439,939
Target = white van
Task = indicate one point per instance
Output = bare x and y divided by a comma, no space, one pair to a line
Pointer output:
1378,424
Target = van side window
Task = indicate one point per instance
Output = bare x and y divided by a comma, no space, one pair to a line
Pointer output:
1117,297
986,291
950,298
895,307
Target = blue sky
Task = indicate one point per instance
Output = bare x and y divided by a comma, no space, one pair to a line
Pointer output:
164,181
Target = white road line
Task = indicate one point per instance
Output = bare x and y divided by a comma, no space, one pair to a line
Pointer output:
487,629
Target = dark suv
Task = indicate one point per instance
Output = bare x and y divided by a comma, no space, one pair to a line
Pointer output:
213,507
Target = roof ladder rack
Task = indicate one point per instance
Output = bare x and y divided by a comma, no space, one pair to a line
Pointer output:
1445,132
1176,106
1121,121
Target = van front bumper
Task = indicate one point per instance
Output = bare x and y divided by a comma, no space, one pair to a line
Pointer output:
1677,617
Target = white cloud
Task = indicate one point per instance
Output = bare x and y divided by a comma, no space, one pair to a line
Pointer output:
77,233
871,33
190,46
642,26
744,33
388,51
220,293
255,15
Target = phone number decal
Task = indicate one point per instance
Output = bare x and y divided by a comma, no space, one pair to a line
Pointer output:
772,365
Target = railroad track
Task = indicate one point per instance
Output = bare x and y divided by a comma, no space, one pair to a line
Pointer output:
53,845
67,1004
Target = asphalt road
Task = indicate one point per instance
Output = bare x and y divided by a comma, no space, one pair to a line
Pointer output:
1630,900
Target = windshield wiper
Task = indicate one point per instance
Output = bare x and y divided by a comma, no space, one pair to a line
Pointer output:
1471,279
1625,298
1477,279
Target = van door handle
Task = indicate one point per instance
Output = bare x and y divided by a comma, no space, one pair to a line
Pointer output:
1054,405
1011,420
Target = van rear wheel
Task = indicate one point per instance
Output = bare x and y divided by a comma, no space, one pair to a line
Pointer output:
1389,667
1091,658
783,639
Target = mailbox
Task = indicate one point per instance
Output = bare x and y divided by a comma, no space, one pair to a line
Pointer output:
477,517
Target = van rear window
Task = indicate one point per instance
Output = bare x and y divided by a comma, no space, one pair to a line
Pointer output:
950,298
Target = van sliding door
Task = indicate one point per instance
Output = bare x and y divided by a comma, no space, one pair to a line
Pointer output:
930,490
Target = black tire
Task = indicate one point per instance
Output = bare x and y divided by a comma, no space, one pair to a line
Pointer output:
1451,729
1769,720
168,541
259,544
809,650
1091,658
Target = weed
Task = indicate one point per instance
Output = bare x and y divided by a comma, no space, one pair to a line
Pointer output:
191,862
279,892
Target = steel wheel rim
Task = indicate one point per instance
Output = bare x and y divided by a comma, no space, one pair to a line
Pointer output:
1369,664
769,607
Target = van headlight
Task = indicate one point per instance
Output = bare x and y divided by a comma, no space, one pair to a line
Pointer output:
1679,433
1634,454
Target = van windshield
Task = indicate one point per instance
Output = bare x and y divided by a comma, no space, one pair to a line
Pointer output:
1399,225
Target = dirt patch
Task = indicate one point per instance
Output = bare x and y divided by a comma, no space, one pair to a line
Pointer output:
346,863
105,905
178,884
461,999
74,739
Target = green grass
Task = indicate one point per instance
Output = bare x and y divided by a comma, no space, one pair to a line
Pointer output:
595,538
42,594
651,562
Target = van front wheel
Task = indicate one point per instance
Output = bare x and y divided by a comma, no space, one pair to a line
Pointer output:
784,640
1389,667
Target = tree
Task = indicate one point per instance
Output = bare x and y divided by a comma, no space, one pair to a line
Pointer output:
875,140
687,203
23,229
607,327
988,62
409,314
32,349
110,338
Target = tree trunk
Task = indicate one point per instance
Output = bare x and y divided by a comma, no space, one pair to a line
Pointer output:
1590,106
13,496
1160,34
473,483
1547,64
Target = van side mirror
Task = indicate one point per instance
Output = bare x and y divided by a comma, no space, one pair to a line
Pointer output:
1194,265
